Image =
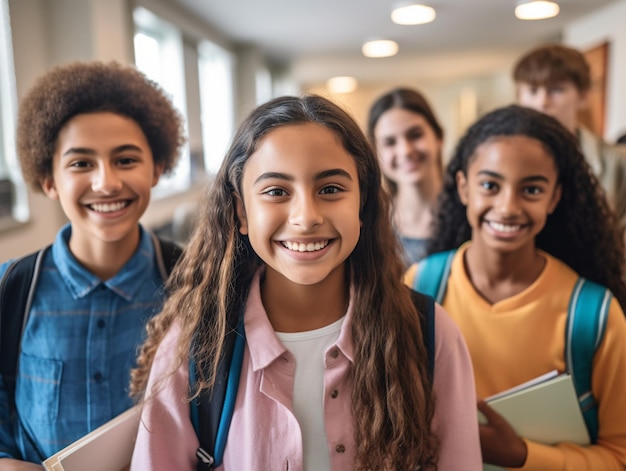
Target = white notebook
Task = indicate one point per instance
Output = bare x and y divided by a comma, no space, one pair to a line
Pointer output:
544,410
107,448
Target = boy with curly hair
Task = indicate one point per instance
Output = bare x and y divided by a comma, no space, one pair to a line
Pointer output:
96,137
556,80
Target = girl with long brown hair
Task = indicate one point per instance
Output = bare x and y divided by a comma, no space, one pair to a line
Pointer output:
295,239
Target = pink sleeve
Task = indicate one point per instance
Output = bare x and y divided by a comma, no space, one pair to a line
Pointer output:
455,417
166,439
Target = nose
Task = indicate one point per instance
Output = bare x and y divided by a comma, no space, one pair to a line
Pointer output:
305,212
404,147
106,180
508,204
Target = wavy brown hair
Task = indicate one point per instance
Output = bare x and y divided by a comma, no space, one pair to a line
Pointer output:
392,399
582,231
77,88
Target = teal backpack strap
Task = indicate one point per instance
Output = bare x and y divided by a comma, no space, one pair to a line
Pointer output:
586,323
432,274
212,411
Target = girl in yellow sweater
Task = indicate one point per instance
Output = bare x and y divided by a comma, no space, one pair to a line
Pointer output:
528,218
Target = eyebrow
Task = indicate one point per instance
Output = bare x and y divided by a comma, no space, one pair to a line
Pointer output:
531,178
88,151
334,172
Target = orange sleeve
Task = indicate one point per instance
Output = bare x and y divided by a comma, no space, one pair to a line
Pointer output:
409,275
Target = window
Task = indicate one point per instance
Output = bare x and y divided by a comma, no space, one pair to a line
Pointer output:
159,54
215,67
13,194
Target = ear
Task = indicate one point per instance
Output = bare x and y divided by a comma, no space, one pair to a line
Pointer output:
461,187
158,171
49,188
241,214
556,197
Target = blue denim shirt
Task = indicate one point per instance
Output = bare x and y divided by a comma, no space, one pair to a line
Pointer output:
79,344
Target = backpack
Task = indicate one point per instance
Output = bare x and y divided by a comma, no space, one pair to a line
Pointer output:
212,411
18,286
587,314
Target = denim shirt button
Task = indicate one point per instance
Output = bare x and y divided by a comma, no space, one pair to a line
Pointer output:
101,323
98,377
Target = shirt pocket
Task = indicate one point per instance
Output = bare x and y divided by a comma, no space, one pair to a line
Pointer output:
38,388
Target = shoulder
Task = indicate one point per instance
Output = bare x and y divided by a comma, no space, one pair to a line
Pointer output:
558,268
4,267
447,333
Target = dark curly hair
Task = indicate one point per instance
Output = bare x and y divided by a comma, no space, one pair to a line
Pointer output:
88,87
392,399
582,231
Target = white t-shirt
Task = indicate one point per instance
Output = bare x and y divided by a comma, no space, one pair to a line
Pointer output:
308,349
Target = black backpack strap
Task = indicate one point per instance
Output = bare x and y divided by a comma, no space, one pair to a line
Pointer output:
211,411
166,253
425,306
17,289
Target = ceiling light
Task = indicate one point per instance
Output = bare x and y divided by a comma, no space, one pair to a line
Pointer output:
380,48
342,84
536,9
412,14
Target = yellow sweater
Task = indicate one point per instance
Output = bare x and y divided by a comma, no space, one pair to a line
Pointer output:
522,337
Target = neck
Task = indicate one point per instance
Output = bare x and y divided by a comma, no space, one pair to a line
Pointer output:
104,259
500,275
413,208
293,307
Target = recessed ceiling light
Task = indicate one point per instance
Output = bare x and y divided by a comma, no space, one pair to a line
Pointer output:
343,84
412,14
380,48
536,9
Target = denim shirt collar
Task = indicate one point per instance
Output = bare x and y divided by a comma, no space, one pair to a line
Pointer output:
81,282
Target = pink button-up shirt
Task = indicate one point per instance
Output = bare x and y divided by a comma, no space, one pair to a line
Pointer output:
264,433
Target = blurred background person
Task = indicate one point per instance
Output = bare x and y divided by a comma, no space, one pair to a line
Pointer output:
408,139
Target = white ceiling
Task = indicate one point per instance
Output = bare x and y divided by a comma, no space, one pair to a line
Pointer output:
322,38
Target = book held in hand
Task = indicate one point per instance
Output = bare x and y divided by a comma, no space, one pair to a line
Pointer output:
543,410
107,448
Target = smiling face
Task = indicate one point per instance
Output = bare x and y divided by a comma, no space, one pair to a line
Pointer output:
510,188
102,174
301,204
407,146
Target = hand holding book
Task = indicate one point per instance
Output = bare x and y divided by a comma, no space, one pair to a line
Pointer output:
544,410
499,442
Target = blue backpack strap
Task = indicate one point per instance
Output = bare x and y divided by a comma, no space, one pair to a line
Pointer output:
432,274
586,323
212,411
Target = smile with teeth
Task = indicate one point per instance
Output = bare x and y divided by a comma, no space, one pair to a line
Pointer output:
309,247
505,227
108,207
